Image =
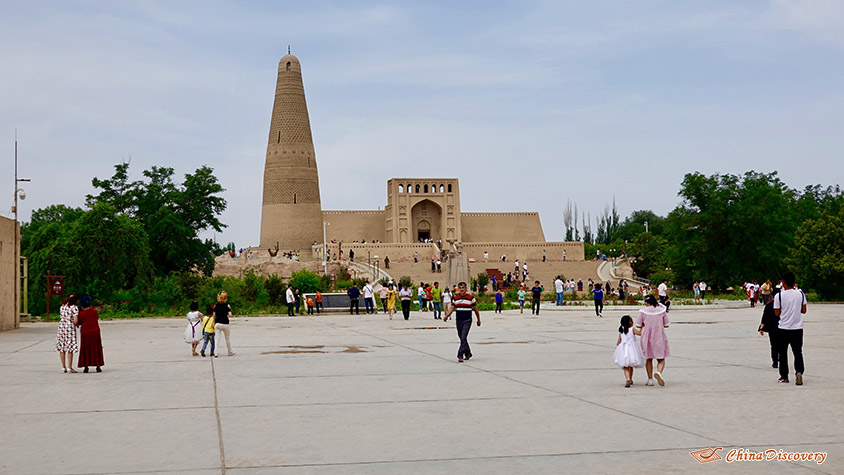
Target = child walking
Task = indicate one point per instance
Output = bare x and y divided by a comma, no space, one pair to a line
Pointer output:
208,331
193,332
521,295
628,353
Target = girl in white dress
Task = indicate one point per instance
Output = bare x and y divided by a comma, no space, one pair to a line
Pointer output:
193,332
628,353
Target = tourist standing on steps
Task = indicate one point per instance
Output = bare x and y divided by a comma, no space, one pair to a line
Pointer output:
536,297
464,304
790,306
543,255
90,340
354,299
66,343
564,255
222,312
289,297
653,320
406,295
368,298
599,300
415,256
558,288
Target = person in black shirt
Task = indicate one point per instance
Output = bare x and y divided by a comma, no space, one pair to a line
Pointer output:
222,312
354,299
770,324
536,294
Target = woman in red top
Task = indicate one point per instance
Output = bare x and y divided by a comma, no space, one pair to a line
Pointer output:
90,343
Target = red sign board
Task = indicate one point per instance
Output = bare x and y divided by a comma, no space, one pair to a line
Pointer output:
57,285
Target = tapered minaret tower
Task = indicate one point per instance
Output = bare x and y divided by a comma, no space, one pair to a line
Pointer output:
291,214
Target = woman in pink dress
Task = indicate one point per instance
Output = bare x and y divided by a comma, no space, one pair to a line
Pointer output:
653,320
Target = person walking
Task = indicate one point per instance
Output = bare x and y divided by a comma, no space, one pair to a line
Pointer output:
354,299
222,313
766,291
652,321
464,304
559,290
297,300
66,343
391,298
598,294
90,340
790,306
628,352
421,296
770,323
382,296
208,332
193,332
318,301
521,295
499,301
406,295
536,297
289,297
662,291
368,298
446,300
437,300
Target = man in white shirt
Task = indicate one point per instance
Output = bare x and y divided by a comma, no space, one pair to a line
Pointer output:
369,298
486,256
291,300
790,305
702,286
558,287
662,291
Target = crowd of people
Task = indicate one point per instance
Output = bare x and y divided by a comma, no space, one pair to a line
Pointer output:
782,319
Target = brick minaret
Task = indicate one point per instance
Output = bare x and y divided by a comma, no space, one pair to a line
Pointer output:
291,214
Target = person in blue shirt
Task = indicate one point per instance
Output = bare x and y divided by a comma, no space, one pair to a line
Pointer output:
599,299
499,300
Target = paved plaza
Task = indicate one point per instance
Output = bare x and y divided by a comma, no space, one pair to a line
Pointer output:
363,394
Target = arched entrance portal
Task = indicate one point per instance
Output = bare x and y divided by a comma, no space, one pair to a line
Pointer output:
426,219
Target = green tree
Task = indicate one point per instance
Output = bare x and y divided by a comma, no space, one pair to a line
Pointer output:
306,281
731,228
99,251
818,254
649,255
171,215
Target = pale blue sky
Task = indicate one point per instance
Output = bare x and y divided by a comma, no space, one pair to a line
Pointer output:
528,103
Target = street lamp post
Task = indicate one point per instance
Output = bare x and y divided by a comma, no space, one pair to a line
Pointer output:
18,193
324,248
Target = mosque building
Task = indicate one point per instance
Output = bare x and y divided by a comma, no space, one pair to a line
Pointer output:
418,212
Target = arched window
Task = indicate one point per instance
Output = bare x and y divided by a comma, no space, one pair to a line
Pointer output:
401,188
288,65
442,188
449,187
417,188
409,188
426,188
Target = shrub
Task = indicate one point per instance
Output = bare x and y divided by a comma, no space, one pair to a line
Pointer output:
482,281
307,281
405,280
275,290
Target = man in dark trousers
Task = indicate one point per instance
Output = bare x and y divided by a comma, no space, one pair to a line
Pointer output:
770,323
536,297
464,304
354,299
790,306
